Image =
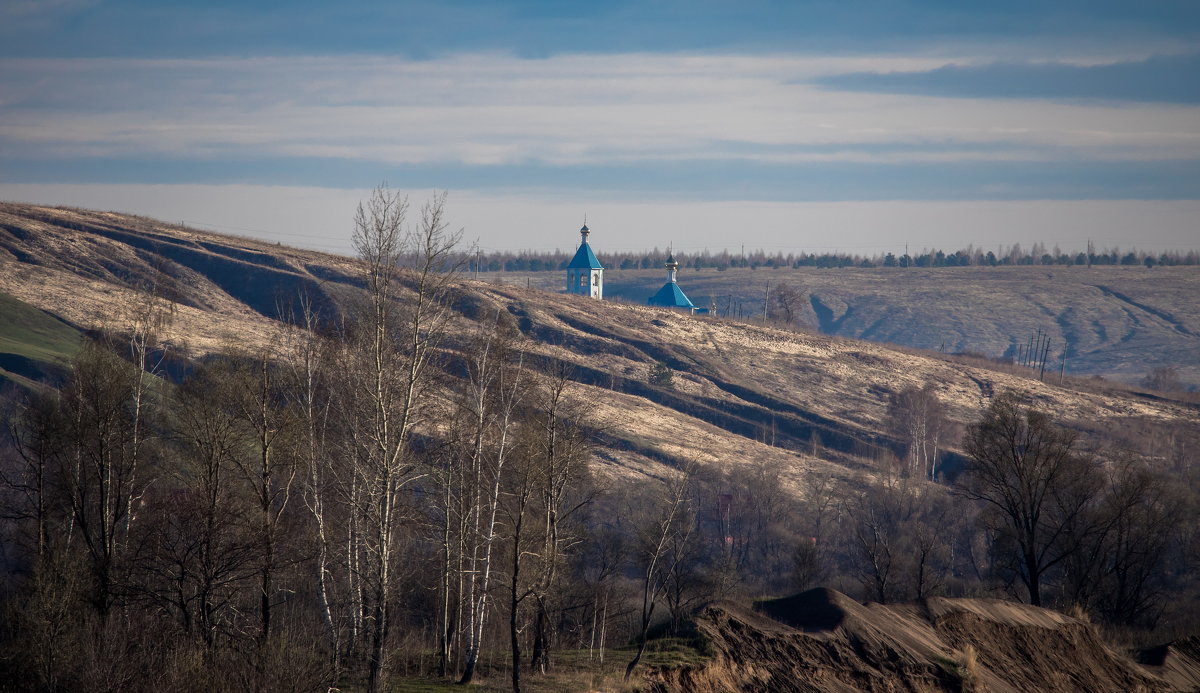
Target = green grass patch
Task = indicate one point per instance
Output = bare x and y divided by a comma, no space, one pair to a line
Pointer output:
673,653
33,343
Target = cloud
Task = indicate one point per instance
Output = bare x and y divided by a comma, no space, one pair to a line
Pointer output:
570,110
1167,79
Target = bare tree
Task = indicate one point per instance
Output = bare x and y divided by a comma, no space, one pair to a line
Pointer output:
563,454
670,523
393,339
916,416
599,563
151,313
35,429
786,302
1034,482
1121,545
306,354
520,493
197,552
494,389
104,425
1163,379
268,471
756,528
877,514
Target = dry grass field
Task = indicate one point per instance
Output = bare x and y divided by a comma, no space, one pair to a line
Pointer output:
744,392
1114,321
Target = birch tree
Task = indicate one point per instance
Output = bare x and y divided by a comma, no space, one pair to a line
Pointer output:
492,392
916,416
562,453
306,354
394,338
104,424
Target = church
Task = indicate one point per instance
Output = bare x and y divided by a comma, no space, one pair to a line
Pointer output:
670,295
585,274
585,277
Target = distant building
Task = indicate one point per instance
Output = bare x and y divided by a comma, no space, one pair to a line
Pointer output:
670,295
585,274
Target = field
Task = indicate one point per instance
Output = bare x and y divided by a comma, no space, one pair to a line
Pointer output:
1113,321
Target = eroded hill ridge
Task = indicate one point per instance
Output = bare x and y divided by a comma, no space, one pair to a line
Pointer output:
811,403
822,640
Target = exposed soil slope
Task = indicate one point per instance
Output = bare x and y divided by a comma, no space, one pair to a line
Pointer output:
822,640
1178,662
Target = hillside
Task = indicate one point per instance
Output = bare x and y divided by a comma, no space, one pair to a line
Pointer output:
34,345
1117,322
794,484
742,392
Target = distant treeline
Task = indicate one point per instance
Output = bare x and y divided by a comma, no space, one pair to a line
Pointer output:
531,261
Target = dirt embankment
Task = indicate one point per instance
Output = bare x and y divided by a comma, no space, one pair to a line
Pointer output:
822,640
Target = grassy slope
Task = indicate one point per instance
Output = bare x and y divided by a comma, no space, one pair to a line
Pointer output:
86,266
1117,322
744,393
33,343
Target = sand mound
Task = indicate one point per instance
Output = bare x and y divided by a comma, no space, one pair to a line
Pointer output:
822,640
1178,663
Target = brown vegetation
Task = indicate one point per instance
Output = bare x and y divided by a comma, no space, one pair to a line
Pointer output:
395,465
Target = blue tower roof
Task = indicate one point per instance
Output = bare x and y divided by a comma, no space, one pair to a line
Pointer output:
671,296
584,257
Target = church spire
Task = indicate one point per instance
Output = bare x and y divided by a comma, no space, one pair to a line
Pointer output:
585,274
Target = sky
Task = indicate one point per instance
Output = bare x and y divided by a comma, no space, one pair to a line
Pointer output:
794,126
